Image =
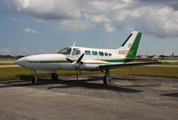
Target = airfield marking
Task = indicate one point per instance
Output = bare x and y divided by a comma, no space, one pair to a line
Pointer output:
7,61
8,66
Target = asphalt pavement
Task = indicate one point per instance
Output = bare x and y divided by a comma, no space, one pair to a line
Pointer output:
127,98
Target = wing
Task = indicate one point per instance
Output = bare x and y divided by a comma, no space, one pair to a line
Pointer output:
114,66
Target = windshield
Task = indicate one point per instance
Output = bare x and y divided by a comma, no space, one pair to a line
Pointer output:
65,51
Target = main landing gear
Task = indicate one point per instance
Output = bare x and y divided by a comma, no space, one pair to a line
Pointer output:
107,78
54,76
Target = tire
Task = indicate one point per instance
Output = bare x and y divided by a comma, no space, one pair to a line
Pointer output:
54,76
35,82
108,81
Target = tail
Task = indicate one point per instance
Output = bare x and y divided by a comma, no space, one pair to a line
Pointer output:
130,46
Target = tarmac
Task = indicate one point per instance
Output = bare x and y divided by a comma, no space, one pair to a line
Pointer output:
7,61
127,98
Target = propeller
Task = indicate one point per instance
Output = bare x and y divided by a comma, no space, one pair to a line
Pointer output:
69,60
80,58
77,63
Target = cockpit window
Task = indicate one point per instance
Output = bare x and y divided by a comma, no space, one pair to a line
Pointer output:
76,51
65,51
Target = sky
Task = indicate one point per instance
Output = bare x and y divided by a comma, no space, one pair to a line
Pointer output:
43,26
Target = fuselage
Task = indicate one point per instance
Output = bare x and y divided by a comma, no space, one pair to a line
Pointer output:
52,62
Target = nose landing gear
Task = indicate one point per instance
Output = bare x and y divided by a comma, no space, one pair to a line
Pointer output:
35,79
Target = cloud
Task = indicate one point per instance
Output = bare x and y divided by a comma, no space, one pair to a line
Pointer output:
25,51
152,17
49,9
41,21
13,19
75,25
6,51
21,51
29,30
108,28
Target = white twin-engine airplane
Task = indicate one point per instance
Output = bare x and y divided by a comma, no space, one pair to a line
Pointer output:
82,58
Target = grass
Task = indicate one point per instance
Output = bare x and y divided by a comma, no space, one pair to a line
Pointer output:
171,63
170,58
148,71
7,59
18,73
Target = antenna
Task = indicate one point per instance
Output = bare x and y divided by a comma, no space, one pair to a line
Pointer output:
74,44
72,48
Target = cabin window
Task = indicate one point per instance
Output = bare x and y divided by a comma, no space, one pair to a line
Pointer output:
110,54
106,54
94,53
65,51
76,51
101,53
87,52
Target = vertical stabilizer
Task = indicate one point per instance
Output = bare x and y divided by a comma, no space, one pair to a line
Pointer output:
130,46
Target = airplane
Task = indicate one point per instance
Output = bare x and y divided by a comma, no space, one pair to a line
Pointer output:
83,58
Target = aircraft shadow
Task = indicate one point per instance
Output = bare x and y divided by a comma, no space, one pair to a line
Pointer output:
72,83
17,83
170,95
87,84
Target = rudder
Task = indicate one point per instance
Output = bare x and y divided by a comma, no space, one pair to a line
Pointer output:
133,51
130,46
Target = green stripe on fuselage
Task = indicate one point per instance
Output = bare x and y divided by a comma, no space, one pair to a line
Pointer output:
65,61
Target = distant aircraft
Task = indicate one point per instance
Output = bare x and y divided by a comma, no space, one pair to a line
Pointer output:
82,58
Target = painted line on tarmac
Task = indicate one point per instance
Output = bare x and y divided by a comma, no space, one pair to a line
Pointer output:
8,66
162,65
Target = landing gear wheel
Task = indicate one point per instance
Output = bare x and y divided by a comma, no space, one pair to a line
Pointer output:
106,81
54,76
35,81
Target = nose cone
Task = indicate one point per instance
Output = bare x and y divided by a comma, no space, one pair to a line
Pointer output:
22,62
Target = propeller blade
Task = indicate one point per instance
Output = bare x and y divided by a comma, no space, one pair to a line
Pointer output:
69,60
80,58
